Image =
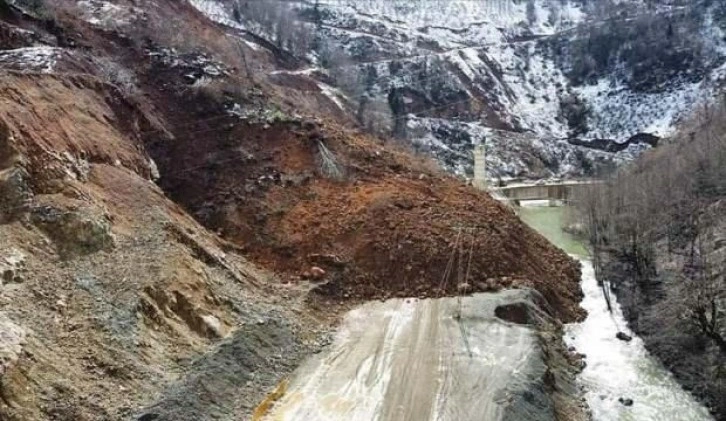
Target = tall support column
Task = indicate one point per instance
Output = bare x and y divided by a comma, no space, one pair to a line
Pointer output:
480,167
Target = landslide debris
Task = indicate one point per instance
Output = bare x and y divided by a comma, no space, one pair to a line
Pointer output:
109,291
394,225
135,182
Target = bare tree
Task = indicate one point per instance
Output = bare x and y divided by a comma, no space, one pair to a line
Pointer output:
531,12
670,201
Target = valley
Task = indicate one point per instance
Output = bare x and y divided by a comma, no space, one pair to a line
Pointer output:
615,371
268,210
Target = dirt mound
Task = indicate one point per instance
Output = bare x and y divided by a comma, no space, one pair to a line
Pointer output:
389,225
108,290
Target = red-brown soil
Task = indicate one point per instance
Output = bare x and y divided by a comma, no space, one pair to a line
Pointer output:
388,229
127,280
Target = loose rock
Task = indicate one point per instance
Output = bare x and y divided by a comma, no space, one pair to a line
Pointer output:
626,401
624,337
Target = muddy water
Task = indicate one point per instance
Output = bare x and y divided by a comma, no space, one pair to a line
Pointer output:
615,369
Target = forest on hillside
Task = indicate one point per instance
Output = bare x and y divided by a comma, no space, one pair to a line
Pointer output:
658,234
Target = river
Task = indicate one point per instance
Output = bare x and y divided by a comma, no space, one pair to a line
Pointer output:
615,369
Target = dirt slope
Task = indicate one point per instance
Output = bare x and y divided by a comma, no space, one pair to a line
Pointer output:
113,290
137,181
388,228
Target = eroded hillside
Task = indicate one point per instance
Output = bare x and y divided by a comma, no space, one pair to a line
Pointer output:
165,211
109,288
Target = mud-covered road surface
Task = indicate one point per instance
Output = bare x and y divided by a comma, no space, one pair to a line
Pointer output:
409,359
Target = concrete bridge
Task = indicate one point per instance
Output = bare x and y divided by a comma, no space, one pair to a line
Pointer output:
555,191
558,191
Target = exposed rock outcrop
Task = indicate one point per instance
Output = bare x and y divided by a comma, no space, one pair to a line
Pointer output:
12,339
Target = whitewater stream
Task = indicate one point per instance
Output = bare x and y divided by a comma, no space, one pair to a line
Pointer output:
615,369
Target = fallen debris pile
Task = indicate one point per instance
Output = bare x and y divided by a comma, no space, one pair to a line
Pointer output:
388,229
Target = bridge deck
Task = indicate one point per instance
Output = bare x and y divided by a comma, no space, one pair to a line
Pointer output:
565,190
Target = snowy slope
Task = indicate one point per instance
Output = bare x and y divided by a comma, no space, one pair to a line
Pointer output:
494,65
458,15
619,113
216,11
33,59
496,53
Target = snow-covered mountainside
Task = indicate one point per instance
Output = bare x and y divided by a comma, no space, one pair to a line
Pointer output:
553,74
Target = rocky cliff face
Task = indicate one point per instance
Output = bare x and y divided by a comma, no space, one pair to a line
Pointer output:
545,70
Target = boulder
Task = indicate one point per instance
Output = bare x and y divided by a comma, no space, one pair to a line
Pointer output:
317,273
626,401
624,337
75,231
463,288
12,266
15,194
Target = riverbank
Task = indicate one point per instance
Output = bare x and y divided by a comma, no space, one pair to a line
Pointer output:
621,379
694,360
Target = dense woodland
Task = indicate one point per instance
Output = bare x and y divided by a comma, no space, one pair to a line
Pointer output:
658,233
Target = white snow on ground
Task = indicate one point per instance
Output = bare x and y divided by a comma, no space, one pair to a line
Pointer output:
251,44
458,14
332,93
305,72
35,59
536,84
508,154
526,93
619,113
719,75
453,23
216,12
488,50
107,15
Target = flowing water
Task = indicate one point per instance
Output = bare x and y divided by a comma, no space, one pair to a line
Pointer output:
615,369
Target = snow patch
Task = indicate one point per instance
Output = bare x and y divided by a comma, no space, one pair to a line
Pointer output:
107,15
216,12
35,59
332,93
619,113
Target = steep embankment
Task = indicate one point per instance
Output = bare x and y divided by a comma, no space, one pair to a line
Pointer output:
109,288
126,284
385,224
673,312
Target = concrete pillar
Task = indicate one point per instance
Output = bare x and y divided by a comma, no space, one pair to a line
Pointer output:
480,167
